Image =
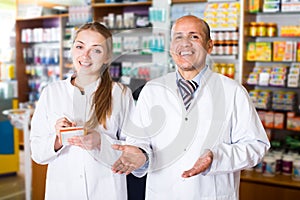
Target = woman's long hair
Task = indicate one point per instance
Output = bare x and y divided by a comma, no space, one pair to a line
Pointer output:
102,98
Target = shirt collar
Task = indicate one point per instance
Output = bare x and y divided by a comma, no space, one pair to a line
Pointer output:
197,78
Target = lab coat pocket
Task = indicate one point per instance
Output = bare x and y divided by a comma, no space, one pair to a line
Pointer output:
216,132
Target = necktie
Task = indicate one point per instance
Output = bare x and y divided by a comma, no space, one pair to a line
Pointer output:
187,89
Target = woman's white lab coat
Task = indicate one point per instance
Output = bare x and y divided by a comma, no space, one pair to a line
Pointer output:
75,173
221,118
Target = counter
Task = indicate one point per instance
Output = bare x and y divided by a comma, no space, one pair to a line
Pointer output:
256,186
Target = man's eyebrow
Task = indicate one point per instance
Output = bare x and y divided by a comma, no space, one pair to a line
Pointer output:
180,33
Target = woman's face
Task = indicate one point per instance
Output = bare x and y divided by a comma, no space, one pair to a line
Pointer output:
89,53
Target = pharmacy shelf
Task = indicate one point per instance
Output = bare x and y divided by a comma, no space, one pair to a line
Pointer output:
105,5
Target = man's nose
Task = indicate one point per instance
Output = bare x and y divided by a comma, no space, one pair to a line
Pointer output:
186,41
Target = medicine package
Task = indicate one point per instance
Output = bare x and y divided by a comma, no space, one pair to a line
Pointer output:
69,132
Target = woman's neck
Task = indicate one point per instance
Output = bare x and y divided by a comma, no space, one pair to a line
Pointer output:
82,81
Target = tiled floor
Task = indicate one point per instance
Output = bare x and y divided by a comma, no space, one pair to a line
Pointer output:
12,187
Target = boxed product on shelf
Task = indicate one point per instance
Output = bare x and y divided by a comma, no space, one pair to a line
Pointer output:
269,119
298,52
293,121
259,51
261,114
284,50
278,76
290,6
259,76
271,6
290,31
261,98
253,78
279,120
293,76
222,15
255,5
293,80
284,100
277,79
264,78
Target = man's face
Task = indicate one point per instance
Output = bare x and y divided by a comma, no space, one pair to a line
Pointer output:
189,45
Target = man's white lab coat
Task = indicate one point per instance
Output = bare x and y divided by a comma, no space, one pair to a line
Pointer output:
221,118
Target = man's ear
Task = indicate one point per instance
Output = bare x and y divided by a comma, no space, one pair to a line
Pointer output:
209,46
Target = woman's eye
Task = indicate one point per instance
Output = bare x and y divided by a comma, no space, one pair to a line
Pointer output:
98,51
78,47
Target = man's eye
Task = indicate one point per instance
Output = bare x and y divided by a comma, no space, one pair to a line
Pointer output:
178,37
194,37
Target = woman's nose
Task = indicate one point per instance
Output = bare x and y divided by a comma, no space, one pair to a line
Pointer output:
85,53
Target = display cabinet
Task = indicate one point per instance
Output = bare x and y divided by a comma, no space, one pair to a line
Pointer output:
270,70
134,40
38,53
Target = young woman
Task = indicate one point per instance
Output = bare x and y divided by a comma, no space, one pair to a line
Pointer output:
80,168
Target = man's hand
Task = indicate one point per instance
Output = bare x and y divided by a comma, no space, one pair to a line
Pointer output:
202,164
131,159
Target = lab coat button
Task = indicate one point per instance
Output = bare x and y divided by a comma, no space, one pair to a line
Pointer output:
186,119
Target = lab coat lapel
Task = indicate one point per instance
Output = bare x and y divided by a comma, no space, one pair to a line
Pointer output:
170,81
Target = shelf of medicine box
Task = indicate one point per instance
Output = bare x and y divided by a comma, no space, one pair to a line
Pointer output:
280,131
130,57
294,109
43,17
223,57
275,37
223,29
221,1
43,42
275,87
259,61
138,31
274,13
67,44
187,1
100,3
101,9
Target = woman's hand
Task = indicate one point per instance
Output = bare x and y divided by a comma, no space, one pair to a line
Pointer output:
90,141
61,123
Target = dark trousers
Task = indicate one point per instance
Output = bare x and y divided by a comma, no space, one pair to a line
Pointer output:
136,187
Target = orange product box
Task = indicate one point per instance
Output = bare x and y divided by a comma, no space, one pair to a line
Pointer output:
68,132
269,119
262,115
279,120
284,51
